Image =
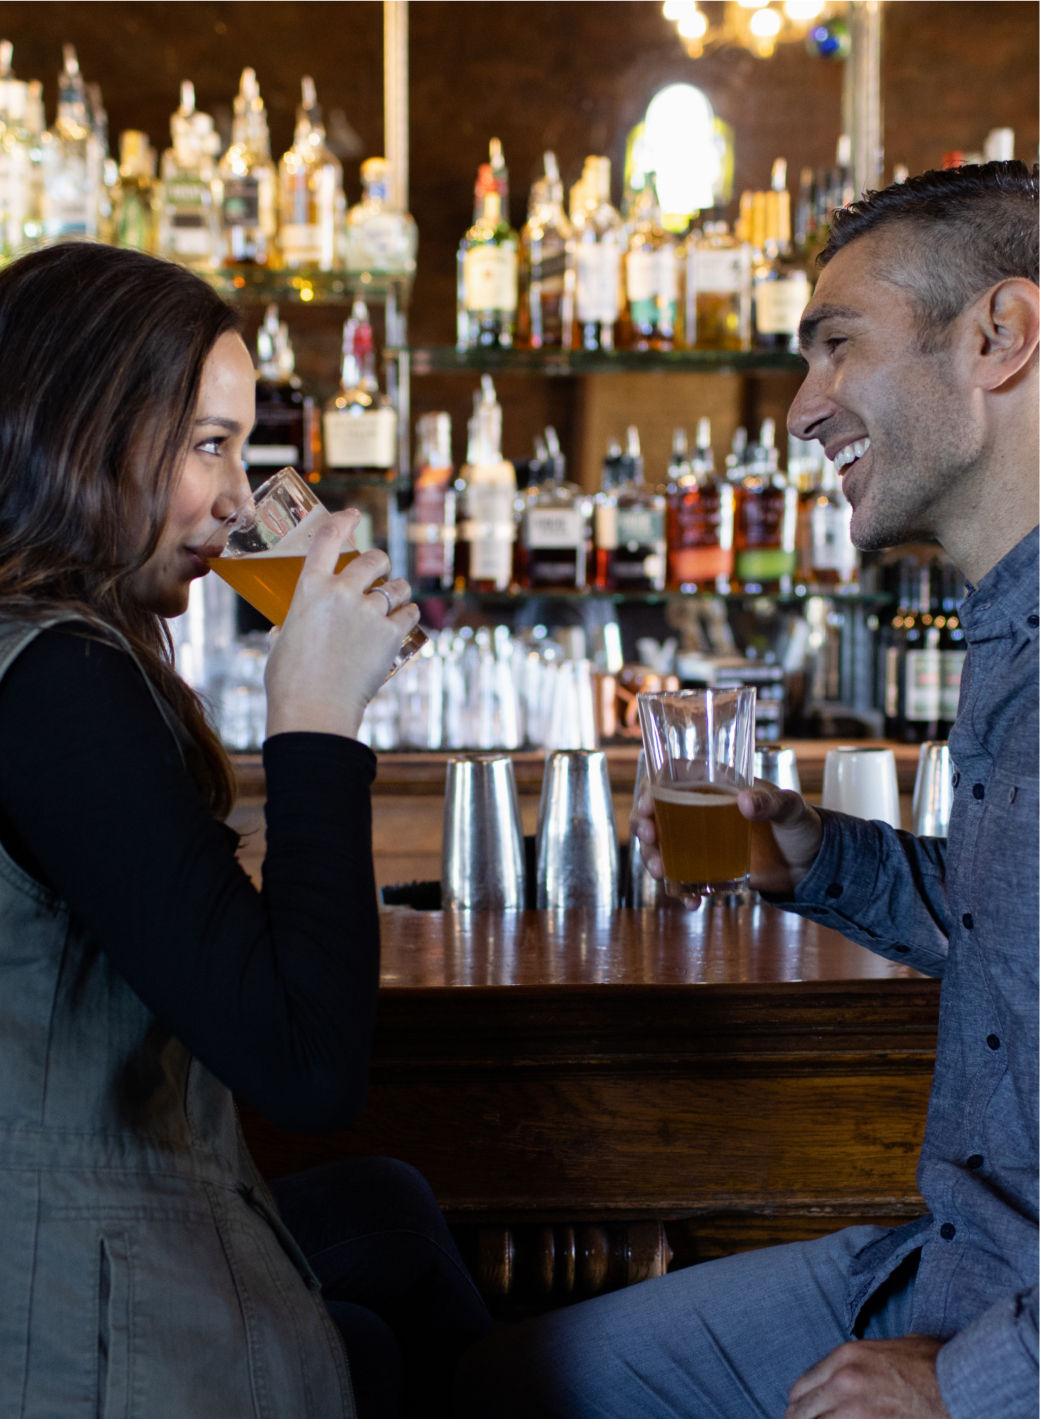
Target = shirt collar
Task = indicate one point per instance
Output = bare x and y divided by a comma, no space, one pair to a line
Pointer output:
1007,595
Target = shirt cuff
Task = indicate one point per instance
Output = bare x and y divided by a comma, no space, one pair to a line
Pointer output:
317,783
991,1368
846,869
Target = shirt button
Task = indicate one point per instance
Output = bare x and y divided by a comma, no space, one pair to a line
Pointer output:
1033,620
834,890
903,950
975,1161
947,1231
978,791
968,923
993,1041
956,778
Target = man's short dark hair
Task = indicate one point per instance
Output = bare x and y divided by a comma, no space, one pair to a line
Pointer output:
960,231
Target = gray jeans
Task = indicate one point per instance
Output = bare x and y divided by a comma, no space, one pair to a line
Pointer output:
723,1340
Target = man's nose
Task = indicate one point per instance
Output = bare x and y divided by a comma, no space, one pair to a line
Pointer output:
811,408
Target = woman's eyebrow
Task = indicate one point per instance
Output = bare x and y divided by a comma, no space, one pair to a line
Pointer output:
232,425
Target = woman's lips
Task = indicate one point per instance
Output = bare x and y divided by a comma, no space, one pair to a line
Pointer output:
199,558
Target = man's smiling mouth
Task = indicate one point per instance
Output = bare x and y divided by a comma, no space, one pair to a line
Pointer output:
848,455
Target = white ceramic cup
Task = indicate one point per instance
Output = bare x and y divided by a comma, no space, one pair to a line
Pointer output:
862,782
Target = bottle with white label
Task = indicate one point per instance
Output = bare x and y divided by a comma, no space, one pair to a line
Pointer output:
379,239
74,173
310,192
765,518
700,517
650,272
487,495
781,287
597,258
487,277
913,662
717,297
630,531
189,216
284,433
248,185
545,318
431,519
825,551
555,528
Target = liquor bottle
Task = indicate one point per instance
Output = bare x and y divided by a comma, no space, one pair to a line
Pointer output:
651,277
189,216
15,161
379,239
98,121
247,183
765,519
74,171
630,532
952,645
913,662
555,527
826,556
431,520
492,176
487,275
360,438
283,434
781,287
487,494
310,192
545,317
717,298
617,469
134,198
700,518
597,257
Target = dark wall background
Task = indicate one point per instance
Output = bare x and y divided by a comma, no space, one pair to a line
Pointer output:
574,75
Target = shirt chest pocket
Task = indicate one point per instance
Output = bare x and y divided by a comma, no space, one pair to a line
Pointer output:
1003,903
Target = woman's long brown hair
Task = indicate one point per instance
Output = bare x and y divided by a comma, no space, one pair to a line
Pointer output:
101,354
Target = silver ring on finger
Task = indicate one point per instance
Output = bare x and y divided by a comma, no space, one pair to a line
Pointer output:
382,591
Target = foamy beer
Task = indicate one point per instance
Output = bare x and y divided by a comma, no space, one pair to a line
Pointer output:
268,541
700,753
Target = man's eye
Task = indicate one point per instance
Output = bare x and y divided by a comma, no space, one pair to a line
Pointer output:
833,341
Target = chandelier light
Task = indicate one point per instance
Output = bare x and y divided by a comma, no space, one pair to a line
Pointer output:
760,25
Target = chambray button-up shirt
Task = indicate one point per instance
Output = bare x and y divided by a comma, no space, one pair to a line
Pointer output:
966,909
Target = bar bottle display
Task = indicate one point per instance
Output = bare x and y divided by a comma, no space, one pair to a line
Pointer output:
781,287
952,646
555,528
135,200
826,556
913,662
431,520
488,270
379,239
487,496
545,318
189,217
16,167
74,161
248,185
310,192
700,518
630,530
765,519
284,434
717,304
597,258
651,277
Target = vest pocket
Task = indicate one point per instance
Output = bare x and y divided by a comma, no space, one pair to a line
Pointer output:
115,1314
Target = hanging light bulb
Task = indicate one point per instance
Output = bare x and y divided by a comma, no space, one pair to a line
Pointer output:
752,4
765,23
801,11
673,9
693,24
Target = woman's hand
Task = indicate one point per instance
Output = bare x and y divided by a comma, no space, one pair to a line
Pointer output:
339,639
786,834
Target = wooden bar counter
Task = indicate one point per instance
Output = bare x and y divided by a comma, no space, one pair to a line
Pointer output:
594,1096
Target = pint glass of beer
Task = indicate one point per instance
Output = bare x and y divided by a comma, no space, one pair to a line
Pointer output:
268,540
700,752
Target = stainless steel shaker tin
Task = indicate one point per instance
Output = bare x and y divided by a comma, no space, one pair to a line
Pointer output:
577,846
779,766
482,851
933,790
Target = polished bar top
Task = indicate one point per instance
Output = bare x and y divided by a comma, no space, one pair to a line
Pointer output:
717,946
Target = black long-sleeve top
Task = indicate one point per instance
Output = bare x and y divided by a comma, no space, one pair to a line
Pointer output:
274,991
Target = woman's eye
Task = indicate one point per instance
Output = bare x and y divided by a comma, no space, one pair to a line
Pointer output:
212,445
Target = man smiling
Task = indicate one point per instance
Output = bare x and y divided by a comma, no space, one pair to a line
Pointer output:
921,340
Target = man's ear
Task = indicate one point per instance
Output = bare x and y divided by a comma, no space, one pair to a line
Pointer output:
1004,327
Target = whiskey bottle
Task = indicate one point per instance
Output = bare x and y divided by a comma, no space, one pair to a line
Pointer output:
379,239
781,288
74,177
717,304
360,438
597,257
826,556
545,317
700,518
913,662
189,218
630,530
283,434
431,520
765,518
650,277
487,277
617,469
134,215
952,645
310,192
248,185
487,494
555,528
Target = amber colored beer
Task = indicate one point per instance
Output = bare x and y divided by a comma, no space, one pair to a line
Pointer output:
703,836
268,581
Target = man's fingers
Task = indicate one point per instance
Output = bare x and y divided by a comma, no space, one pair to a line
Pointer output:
820,1372
766,804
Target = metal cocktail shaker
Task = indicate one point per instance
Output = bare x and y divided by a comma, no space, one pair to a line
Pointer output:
933,790
779,766
482,852
577,846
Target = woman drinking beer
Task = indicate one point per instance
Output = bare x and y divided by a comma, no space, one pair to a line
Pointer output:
144,1266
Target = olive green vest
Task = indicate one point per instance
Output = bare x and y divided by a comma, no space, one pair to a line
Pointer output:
144,1272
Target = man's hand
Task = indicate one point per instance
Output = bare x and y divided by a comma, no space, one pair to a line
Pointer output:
872,1379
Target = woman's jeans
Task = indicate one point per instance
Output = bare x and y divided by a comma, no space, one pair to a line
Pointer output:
392,1279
